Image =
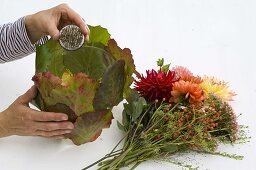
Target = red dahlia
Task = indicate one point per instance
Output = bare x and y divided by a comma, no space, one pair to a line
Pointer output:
156,85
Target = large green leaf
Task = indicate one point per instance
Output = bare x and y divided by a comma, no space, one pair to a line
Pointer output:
110,92
98,35
49,57
90,60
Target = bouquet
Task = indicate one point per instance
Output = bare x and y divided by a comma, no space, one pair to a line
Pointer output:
169,111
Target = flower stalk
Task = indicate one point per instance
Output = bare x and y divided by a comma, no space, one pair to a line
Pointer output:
184,120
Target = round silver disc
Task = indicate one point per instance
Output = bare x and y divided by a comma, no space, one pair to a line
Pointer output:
71,37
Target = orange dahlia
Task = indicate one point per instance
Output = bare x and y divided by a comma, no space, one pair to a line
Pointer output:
156,85
185,90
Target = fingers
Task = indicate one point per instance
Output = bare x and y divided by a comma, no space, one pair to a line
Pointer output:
76,19
53,131
57,134
88,30
53,31
56,137
28,96
46,116
52,126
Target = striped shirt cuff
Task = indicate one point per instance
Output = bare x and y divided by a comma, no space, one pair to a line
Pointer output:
14,41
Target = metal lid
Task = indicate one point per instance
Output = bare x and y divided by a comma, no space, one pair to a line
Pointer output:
71,37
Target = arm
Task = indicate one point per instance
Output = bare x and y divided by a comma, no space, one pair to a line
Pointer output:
17,39
14,41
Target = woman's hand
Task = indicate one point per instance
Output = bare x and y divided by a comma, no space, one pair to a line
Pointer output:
49,22
19,119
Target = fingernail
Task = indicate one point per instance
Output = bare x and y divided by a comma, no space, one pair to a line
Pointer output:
56,36
65,118
70,127
60,137
88,29
68,131
87,38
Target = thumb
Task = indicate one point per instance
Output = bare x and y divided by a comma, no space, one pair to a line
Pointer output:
28,96
53,31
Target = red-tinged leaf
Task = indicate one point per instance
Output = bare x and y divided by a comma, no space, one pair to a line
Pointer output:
89,126
123,54
76,92
110,92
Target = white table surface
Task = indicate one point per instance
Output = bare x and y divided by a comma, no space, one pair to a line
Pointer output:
213,37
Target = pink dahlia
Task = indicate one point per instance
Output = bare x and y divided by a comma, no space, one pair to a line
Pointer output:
184,74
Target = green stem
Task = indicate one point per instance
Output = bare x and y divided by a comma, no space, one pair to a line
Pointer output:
138,152
139,124
118,144
219,130
153,116
108,155
138,157
100,160
159,119
117,160
135,166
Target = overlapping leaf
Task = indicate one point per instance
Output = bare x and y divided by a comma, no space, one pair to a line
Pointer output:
85,83
77,92
88,127
110,92
124,54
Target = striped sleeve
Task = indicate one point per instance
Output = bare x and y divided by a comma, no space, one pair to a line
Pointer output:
14,41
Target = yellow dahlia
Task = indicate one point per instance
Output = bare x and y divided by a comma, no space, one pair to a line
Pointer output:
211,85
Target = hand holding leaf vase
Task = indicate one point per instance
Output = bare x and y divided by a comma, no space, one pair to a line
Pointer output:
85,84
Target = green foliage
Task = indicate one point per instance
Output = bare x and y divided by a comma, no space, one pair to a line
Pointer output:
157,131
160,62
85,83
132,111
164,67
93,61
98,35
170,148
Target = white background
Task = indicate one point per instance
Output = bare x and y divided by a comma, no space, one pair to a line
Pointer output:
213,37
